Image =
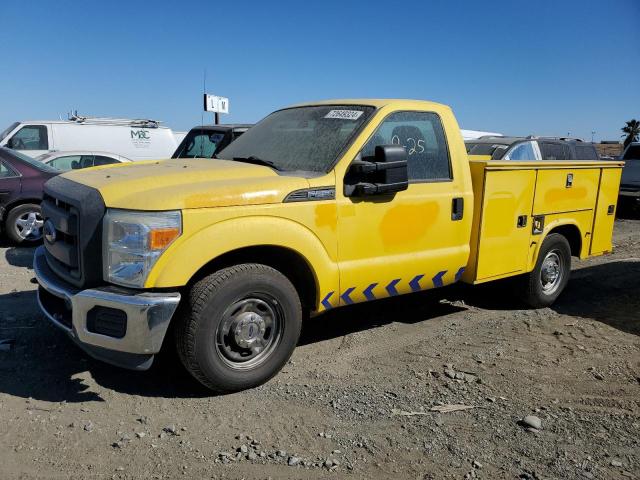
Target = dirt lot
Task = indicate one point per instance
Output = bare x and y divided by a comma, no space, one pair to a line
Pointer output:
356,399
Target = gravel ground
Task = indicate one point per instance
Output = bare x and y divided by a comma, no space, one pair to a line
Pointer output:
367,394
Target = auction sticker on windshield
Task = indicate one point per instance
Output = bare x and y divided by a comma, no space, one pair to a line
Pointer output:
344,114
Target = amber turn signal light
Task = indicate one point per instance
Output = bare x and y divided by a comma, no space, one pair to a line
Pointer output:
162,237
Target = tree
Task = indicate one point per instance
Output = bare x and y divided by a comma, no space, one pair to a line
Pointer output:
631,131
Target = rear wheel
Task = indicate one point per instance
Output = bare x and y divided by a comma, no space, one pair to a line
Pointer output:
239,327
24,224
547,280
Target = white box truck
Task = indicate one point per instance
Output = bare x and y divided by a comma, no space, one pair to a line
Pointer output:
134,139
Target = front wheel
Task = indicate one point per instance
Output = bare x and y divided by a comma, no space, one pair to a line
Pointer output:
24,224
239,327
543,285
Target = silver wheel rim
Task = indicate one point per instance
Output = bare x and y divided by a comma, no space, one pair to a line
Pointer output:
551,272
250,331
29,225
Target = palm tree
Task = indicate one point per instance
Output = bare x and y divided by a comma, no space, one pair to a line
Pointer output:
631,131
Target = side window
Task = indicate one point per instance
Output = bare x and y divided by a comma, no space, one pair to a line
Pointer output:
422,136
86,161
553,151
102,160
31,137
70,162
6,171
521,151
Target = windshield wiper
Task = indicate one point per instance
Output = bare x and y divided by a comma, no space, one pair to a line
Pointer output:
256,161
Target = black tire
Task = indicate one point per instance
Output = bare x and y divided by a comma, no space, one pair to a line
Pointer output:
537,290
21,234
247,300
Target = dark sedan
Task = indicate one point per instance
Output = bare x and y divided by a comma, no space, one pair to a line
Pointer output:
21,182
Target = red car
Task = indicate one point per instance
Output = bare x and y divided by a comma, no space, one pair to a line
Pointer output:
21,182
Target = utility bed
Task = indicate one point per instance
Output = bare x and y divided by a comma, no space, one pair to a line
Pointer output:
517,203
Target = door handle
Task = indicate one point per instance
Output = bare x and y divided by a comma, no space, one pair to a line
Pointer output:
457,209
522,221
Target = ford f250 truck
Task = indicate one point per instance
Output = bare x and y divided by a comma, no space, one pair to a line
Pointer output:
318,206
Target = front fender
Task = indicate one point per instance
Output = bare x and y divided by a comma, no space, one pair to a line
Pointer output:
192,251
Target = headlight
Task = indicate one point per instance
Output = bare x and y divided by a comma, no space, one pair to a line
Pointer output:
133,241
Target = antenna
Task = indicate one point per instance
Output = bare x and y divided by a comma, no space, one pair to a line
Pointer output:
204,92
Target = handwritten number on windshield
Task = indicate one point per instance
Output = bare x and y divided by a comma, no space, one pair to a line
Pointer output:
414,146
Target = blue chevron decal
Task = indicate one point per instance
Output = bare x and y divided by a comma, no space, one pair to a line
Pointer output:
391,288
437,280
368,292
415,283
345,295
325,301
459,273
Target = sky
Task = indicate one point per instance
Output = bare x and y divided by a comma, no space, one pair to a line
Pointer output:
544,67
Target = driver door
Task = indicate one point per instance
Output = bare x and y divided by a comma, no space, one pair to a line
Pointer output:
411,240
10,183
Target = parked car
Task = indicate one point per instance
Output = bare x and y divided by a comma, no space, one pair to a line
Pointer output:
473,134
80,159
21,182
207,140
318,206
134,139
531,148
630,183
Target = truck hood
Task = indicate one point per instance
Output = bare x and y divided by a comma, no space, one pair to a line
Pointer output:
186,183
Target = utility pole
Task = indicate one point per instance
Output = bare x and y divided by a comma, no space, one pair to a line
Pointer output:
592,135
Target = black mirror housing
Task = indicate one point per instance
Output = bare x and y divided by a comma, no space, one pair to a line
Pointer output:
386,172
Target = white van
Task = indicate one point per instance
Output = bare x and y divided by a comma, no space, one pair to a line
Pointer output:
134,139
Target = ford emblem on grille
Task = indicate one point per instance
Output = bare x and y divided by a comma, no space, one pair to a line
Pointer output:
49,231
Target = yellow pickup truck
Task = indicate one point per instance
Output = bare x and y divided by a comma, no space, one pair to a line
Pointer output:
318,206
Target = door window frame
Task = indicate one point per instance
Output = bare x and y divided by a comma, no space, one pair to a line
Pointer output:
16,173
446,145
40,127
534,145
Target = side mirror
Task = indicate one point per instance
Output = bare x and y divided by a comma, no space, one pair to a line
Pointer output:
385,172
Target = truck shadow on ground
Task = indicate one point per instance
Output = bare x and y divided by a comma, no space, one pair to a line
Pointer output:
45,365
19,256
607,293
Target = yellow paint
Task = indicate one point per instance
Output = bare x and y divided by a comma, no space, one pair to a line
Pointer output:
604,218
391,244
506,190
552,194
187,183
504,246
327,216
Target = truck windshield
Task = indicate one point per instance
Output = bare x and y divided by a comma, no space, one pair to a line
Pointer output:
9,129
199,144
302,138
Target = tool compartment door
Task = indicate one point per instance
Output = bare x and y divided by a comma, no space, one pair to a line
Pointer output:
566,190
605,211
506,223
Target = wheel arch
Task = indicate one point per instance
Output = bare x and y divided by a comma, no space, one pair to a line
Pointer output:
5,209
283,244
572,233
287,261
